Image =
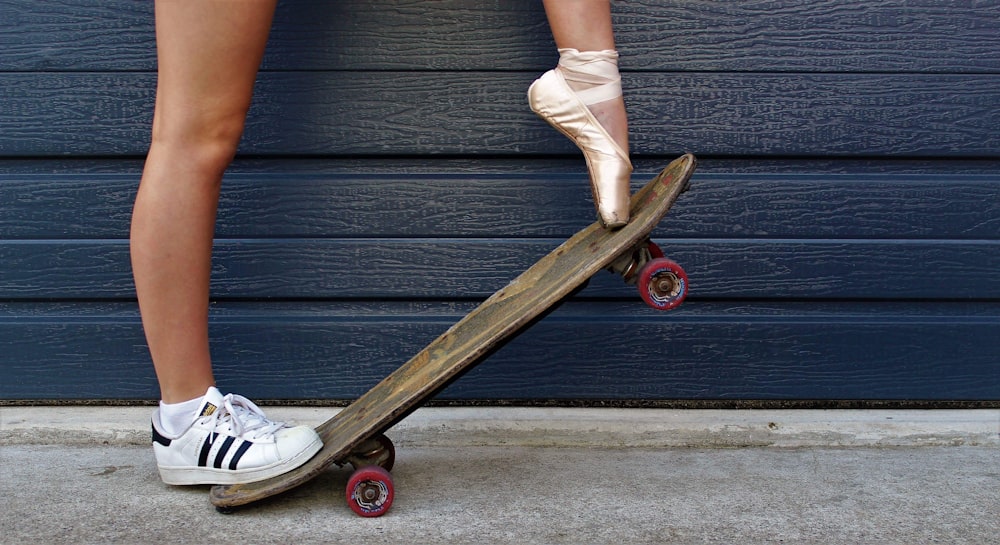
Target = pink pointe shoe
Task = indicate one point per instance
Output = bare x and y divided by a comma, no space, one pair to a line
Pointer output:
610,169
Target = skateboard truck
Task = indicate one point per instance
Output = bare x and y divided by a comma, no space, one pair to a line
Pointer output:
377,451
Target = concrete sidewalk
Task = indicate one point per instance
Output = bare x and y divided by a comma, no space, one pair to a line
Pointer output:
539,476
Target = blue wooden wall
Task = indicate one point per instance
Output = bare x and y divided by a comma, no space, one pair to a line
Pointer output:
842,234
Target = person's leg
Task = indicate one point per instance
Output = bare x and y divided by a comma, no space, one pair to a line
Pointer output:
208,53
585,25
582,99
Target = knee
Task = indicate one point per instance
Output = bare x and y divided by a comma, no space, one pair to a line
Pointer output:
206,142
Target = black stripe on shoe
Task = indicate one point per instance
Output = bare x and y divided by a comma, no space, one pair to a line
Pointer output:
205,448
222,452
239,454
159,438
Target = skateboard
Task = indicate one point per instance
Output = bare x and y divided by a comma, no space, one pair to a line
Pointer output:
355,435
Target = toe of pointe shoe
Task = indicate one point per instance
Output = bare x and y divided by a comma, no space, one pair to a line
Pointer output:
613,223
611,199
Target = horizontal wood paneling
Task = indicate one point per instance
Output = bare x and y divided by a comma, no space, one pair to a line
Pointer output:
842,234
740,236
443,268
701,351
402,113
678,35
726,202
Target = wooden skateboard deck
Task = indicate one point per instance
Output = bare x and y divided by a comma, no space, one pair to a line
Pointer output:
507,312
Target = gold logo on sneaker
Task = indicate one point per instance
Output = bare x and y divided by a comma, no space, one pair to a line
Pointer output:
208,410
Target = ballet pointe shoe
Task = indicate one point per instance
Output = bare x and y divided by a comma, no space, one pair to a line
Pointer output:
608,164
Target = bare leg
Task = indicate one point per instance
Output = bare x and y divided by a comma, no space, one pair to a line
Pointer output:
208,52
585,25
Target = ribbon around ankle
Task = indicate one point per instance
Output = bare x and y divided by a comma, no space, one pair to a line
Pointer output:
593,75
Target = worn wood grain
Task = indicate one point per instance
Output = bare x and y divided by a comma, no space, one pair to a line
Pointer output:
482,331
699,351
472,269
863,204
676,35
843,245
402,113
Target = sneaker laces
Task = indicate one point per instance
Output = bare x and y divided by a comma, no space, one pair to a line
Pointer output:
243,416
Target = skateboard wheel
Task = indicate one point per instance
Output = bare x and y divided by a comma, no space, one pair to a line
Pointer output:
662,284
370,491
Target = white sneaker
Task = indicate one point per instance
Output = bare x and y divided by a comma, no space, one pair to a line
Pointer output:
231,442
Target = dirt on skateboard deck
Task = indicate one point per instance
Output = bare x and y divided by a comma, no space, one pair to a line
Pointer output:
354,435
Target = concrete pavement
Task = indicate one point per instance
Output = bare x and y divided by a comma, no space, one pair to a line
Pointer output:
502,475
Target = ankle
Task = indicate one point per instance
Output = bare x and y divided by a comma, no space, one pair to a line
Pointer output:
592,75
177,417
182,375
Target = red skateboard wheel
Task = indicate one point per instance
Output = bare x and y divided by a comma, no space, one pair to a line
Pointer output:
370,491
662,284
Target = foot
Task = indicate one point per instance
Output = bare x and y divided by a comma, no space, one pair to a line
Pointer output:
555,101
231,442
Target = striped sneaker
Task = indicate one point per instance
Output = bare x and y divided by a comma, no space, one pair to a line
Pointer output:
231,442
